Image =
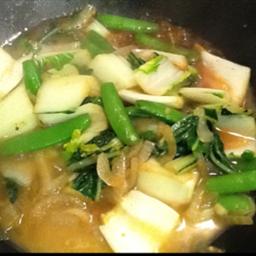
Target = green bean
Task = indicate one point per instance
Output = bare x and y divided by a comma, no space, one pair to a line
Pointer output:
127,24
160,45
32,76
237,204
161,111
242,182
117,115
43,138
135,112
96,44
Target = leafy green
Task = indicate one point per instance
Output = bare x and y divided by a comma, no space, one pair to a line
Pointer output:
216,155
88,183
135,61
12,189
185,133
161,145
152,65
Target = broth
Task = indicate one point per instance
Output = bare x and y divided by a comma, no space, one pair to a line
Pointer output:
50,216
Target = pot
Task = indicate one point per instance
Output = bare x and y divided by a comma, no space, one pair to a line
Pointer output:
228,24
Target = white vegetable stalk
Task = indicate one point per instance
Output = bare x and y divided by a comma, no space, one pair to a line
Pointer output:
10,73
235,76
158,76
99,28
16,113
204,95
178,60
131,96
140,223
63,93
115,69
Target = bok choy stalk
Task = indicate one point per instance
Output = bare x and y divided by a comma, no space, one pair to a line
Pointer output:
161,76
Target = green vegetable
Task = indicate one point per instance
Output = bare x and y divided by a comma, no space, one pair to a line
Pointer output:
152,65
183,164
43,138
88,161
185,133
88,183
233,183
117,115
32,76
134,112
127,24
57,61
34,68
218,158
12,189
246,162
157,44
237,204
94,100
96,44
161,111
135,61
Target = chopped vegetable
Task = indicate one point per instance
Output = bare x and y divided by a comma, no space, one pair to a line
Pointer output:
96,44
53,94
10,73
117,115
165,187
88,183
204,95
127,24
43,138
140,223
235,76
135,61
115,69
158,76
133,96
16,113
158,44
237,204
161,111
182,164
216,155
99,28
185,133
32,77
233,183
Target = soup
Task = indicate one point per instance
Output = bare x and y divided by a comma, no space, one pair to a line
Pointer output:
122,135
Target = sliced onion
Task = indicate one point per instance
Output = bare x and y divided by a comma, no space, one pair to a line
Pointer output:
113,178
146,151
165,131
